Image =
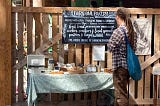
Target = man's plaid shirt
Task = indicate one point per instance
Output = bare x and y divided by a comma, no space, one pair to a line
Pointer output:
117,45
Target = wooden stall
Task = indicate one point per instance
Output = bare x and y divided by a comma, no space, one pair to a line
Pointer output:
32,22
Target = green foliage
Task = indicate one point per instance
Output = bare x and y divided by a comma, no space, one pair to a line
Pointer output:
82,3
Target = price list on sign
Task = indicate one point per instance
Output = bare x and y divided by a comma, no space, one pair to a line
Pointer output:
87,26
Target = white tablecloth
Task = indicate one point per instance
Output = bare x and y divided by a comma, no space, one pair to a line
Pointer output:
67,83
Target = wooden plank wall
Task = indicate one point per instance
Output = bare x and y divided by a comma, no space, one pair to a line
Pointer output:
141,92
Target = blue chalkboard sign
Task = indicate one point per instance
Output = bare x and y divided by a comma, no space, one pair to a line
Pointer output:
87,26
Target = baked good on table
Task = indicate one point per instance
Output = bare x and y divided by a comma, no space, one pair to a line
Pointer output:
56,72
108,70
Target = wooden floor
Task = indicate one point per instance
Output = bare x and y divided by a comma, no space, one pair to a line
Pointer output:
58,104
42,102
61,104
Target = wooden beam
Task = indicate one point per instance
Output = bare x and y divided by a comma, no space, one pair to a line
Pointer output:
61,50
20,54
5,53
29,33
39,50
14,50
157,33
71,53
38,29
56,10
150,60
148,72
45,32
78,54
54,33
86,57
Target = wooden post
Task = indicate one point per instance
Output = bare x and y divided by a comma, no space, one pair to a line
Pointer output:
38,20
155,90
13,56
20,55
5,52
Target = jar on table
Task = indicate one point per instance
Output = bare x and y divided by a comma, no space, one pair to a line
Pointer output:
50,64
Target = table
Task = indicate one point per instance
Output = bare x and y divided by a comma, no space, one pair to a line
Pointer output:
67,83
